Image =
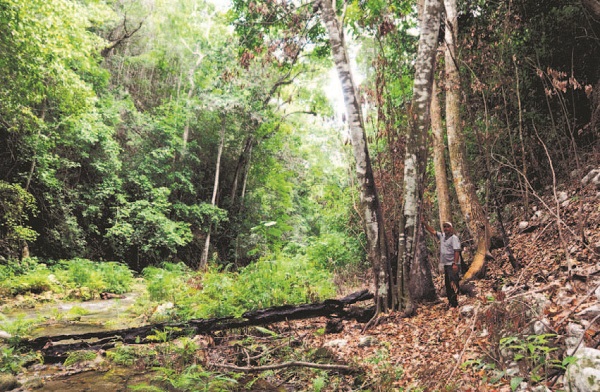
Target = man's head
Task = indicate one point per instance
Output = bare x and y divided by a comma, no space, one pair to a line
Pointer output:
447,227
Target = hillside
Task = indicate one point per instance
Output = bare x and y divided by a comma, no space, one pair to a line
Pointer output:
441,349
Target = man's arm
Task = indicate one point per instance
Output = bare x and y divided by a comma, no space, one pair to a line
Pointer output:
427,227
456,257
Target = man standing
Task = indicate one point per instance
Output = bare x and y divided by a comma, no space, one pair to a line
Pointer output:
449,258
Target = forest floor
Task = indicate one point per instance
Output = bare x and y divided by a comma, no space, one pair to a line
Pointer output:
437,349
441,349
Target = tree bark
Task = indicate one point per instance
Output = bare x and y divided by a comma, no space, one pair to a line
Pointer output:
413,256
370,208
439,159
471,208
204,258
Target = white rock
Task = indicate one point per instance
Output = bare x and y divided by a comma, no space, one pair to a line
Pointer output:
590,312
593,177
573,341
336,343
541,326
367,341
467,310
523,225
5,335
584,374
562,196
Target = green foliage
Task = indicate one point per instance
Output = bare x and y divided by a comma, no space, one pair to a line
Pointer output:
195,378
34,278
76,357
94,277
335,251
215,293
16,205
266,283
166,283
19,327
12,360
535,351
144,226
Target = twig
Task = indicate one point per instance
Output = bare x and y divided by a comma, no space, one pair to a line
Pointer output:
252,369
542,232
548,287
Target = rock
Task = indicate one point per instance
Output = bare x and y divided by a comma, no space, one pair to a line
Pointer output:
367,341
562,196
5,335
336,343
8,382
467,310
573,340
538,302
565,203
512,369
584,374
593,178
541,326
590,312
540,388
162,312
523,225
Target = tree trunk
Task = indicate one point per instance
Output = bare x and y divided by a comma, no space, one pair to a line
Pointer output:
204,258
243,164
439,159
414,257
191,72
58,347
472,211
369,207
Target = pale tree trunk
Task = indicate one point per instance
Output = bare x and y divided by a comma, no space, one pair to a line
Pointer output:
413,255
204,257
369,203
242,167
191,72
471,209
439,159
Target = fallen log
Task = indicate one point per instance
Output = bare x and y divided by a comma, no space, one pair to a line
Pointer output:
56,348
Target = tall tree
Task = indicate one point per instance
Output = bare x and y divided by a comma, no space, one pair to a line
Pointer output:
471,208
439,158
413,252
370,209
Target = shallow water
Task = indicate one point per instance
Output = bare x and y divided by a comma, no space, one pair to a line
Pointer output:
74,317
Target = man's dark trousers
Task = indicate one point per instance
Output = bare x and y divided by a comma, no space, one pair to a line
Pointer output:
451,290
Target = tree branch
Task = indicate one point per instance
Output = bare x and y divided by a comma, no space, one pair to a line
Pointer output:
255,369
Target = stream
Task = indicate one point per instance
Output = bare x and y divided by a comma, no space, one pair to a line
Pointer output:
75,317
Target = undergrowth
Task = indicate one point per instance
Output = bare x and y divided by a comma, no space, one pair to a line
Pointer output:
218,292
79,278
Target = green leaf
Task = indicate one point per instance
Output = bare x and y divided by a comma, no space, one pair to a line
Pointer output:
515,382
